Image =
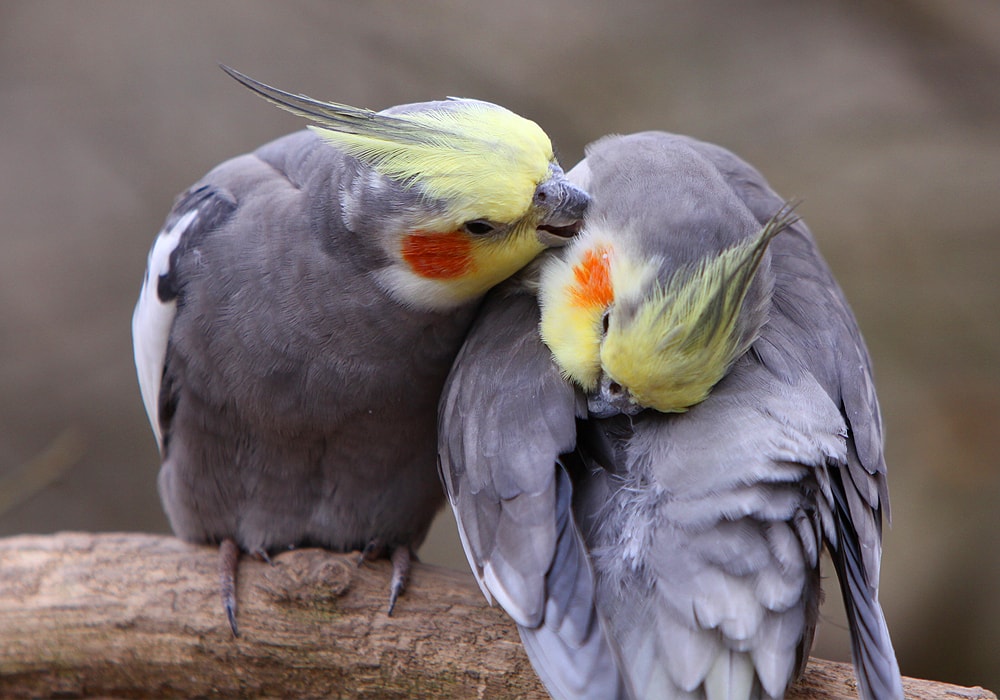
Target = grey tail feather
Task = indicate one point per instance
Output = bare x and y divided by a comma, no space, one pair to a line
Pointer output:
570,650
871,648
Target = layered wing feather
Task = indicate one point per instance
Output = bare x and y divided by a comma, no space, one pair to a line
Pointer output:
506,415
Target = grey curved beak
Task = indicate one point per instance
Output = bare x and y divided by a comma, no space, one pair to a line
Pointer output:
610,399
564,206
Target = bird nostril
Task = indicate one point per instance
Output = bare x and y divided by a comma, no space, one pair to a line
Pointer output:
614,388
542,196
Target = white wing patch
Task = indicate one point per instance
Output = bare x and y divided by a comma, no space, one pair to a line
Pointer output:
153,318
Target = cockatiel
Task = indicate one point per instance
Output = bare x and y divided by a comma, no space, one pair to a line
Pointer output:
649,501
303,304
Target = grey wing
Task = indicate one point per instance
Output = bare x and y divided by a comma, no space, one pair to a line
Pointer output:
199,210
822,337
505,417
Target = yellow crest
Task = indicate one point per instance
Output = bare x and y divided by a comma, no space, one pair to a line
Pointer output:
683,336
480,160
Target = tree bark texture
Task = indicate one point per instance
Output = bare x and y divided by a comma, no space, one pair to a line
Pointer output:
134,615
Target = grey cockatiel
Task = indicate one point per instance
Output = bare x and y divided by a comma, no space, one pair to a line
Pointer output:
301,309
672,551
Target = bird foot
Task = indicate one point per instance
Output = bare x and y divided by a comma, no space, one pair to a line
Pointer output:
372,551
229,559
401,558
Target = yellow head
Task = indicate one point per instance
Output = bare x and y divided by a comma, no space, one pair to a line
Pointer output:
662,337
494,194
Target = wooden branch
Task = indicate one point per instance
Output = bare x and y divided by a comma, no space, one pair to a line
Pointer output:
133,615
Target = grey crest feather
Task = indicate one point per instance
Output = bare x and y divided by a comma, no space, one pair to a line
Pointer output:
352,120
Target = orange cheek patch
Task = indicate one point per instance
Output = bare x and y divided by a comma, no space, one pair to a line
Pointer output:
439,256
592,279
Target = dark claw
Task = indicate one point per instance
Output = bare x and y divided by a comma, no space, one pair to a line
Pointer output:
401,557
229,558
370,552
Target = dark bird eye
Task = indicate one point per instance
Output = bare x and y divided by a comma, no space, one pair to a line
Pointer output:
606,321
479,227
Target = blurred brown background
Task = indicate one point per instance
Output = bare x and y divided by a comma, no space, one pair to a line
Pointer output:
883,116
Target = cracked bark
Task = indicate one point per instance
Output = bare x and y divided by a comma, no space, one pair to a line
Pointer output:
134,615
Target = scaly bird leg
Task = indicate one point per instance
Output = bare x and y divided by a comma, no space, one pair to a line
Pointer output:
229,559
401,558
